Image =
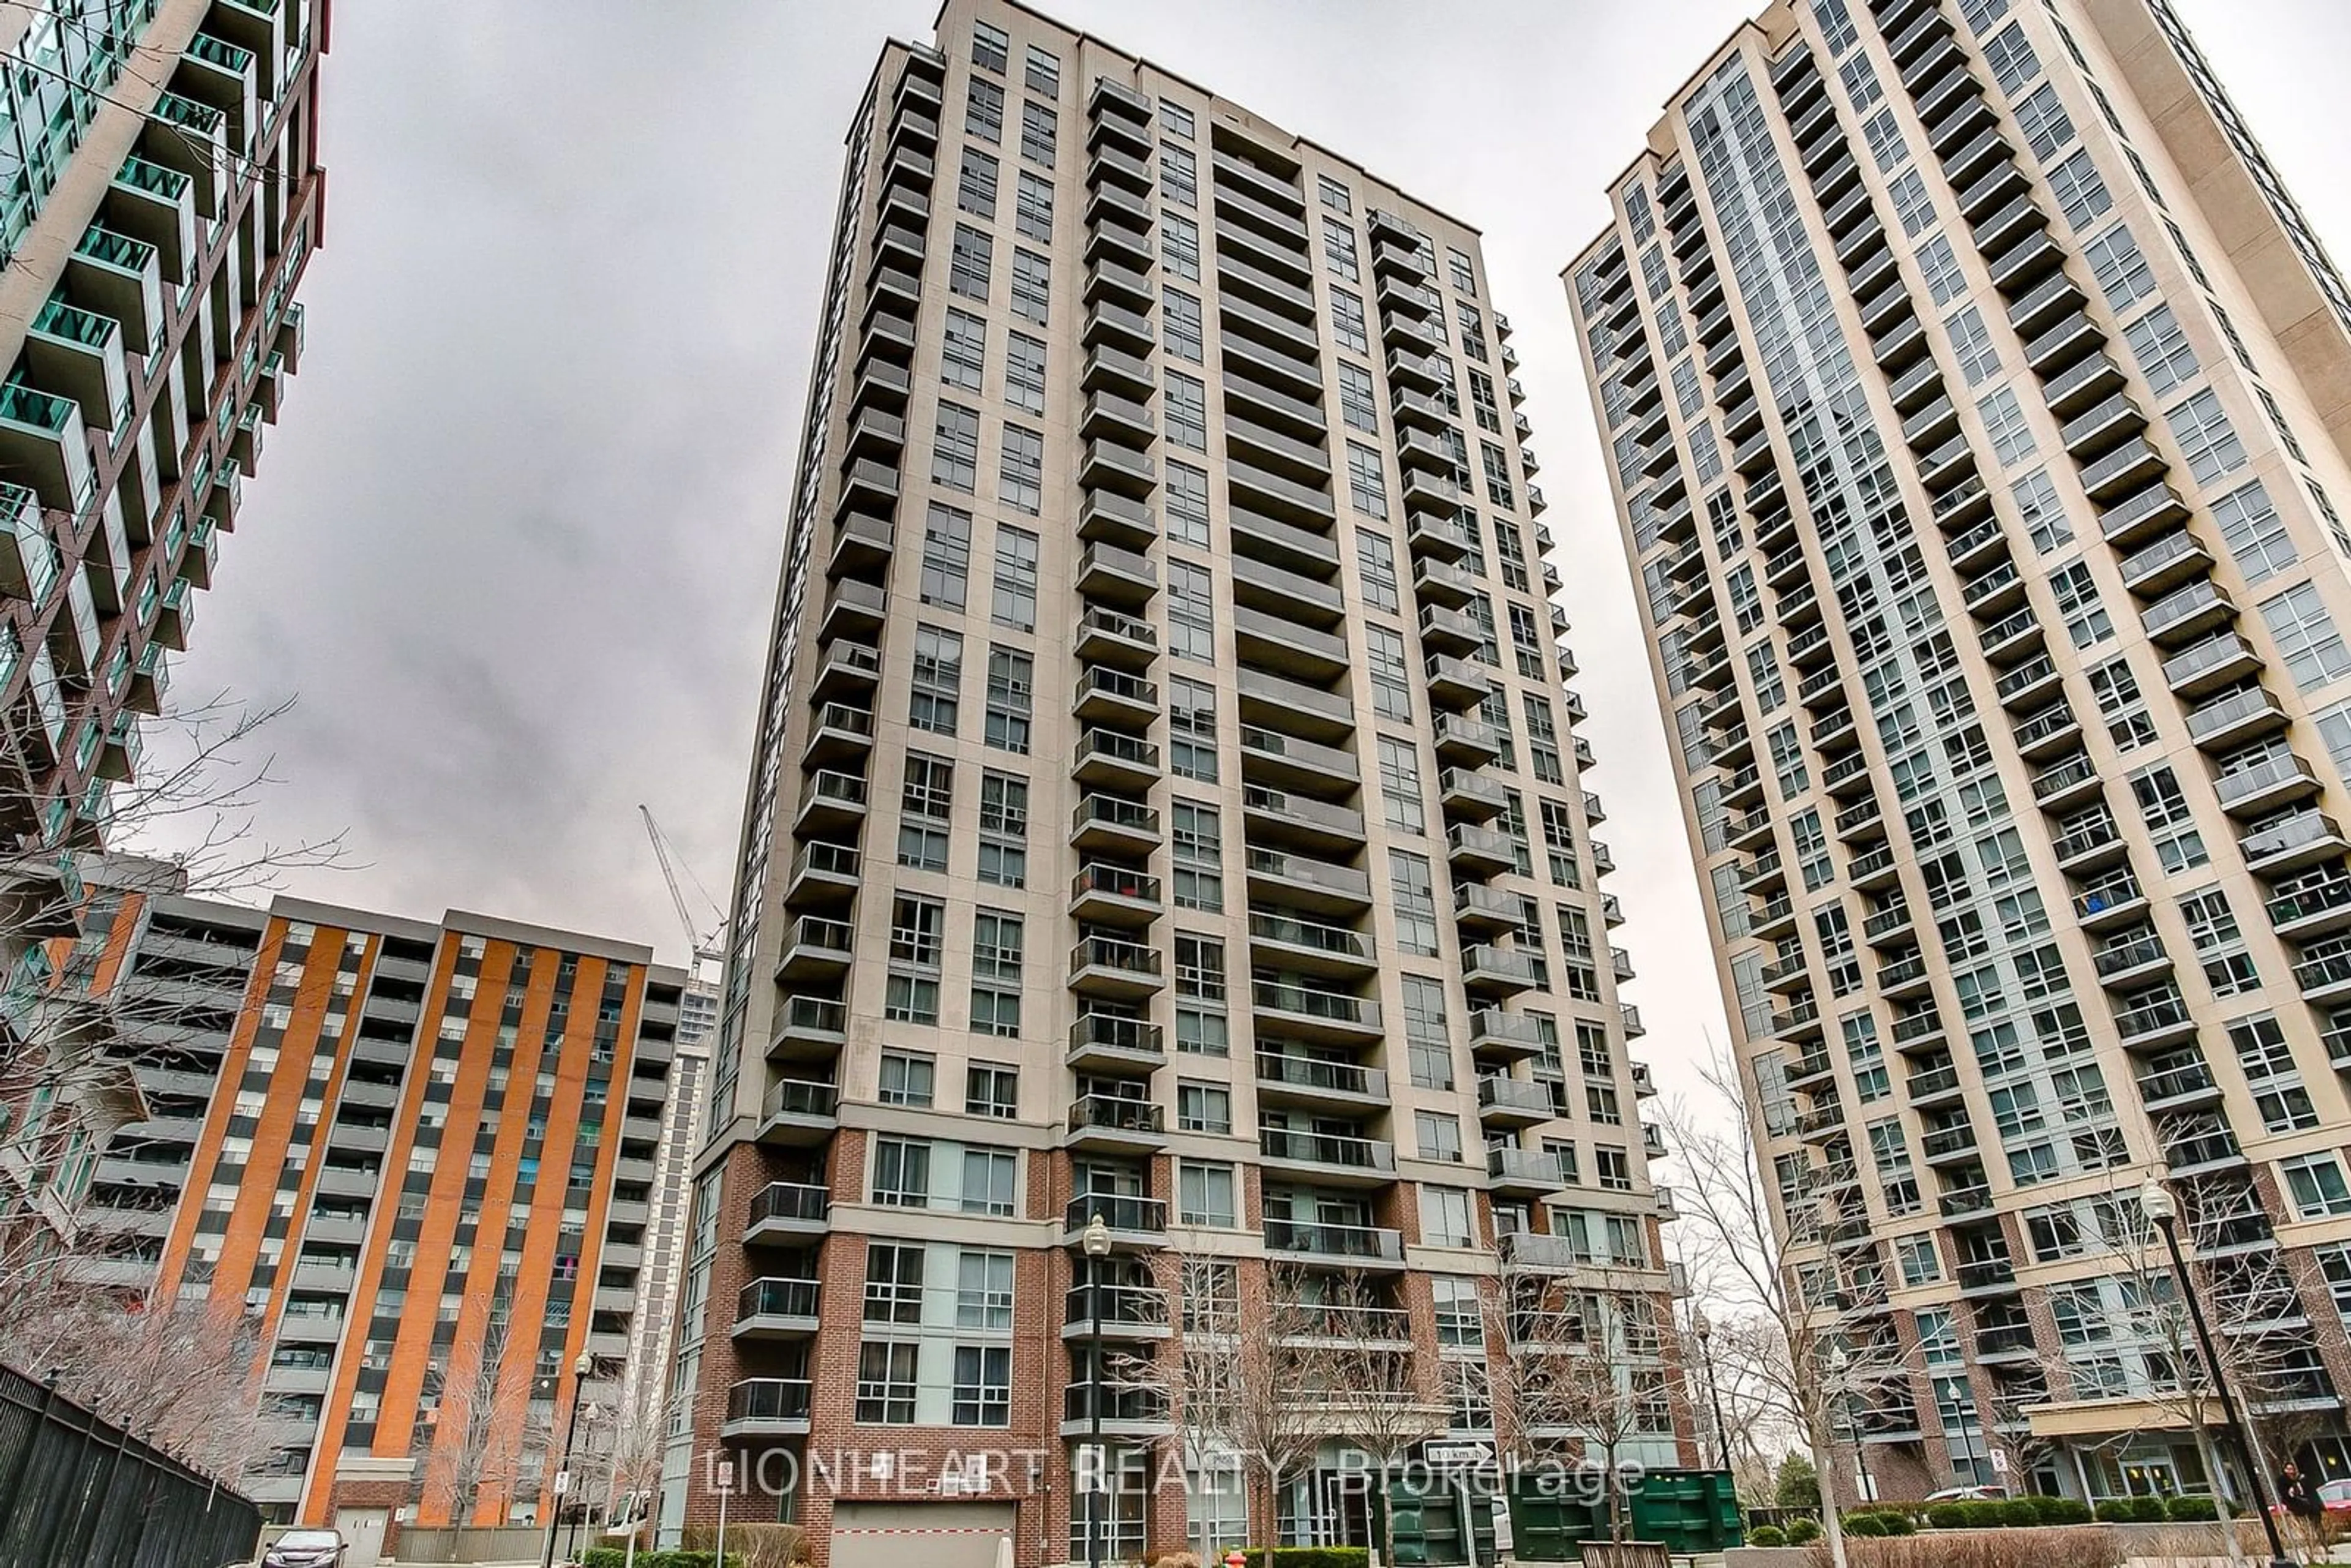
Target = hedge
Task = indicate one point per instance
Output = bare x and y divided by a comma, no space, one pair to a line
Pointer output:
2131,1511
1767,1535
1803,1531
2185,1509
616,1556
1310,1557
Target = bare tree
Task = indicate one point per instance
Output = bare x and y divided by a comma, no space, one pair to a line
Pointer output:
480,1428
1806,1335
1382,1397
1580,1374
178,1372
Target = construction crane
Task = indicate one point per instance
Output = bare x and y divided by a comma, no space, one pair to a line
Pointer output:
711,949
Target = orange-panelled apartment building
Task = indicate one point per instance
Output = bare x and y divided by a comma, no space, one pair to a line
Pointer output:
394,1141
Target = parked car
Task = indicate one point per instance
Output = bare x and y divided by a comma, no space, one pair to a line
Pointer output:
1967,1494
304,1549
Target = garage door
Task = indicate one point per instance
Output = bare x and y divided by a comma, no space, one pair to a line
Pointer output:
935,1534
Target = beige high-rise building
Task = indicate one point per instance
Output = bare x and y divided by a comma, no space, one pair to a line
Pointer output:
1166,805
1976,401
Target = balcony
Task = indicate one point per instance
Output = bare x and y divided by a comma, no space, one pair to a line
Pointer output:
808,1027
1480,852
1515,1172
2174,558
1311,947
1110,966
1469,796
2207,666
817,948
854,611
1134,1221
1110,637
1116,576
44,439
2166,1021
1114,760
2264,787
1114,1124
1464,740
1111,822
777,1308
1294,707
1115,1312
767,1407
1489,971
2188,613
1299,1012
1274,816
1284,761
1286,1078
1513,1103
799,1112
1106,894
1359,1246
1499,1037
788,1214
2311,906
831,801
1281,642
1102,1042
823,873
2301,840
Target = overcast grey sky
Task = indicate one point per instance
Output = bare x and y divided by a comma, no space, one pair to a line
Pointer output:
514,543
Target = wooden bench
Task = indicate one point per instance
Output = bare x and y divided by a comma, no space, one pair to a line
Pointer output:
1626,1554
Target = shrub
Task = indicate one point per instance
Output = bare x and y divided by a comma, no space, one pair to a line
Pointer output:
1310,1557
1767,1535
1798,1485
2112,1511
1175,1559
1803,1531
1950,1515
2017,1512
1986,1549
1865,1524
2185,1510
2062,1510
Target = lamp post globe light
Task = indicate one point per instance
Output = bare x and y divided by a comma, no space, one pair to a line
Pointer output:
1705,1333
1097,1248
2155,1201
581,1368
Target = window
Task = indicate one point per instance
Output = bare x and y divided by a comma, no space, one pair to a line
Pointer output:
1447,1218
2047,127
1911,202
1456,266
1015,603
983,1386
1024,372
1920,1264
1031,285
1021,478
1390,676
947,555
1179,245
1196,837
2206,437
1400,784
2011,58
1358,404
1339,251
989,1181
1203,1195
2122,273
1472,325
1334,195
1429,1034
1944,279
996,939
2306,634
954,450
1366,485
1037,133
885,1382
1187,412
901,1176
968,267
2082,195
1199,968
1181,313
1003,830
918,927
983,114
1347,321
1437,1136
1175,119
2077,600
1187,504
991,46
963,354
1415,891
1971,342
2119,702
1203,1107
2043,513
2172,825
2012,439
1375,563
1032,207
1179,175
2161,347
1612,1169
1883,134
2256,536
991,1088
937,680
1191,612
906,1077
2316,1185
975,188
1191,728
926,803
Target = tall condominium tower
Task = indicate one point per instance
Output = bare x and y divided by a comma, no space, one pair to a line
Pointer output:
1166,806
161,195
1976,398
418,1158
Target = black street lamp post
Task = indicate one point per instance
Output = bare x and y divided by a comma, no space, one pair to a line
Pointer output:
2156,1201
1705,1333
579,1371
1097,1248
